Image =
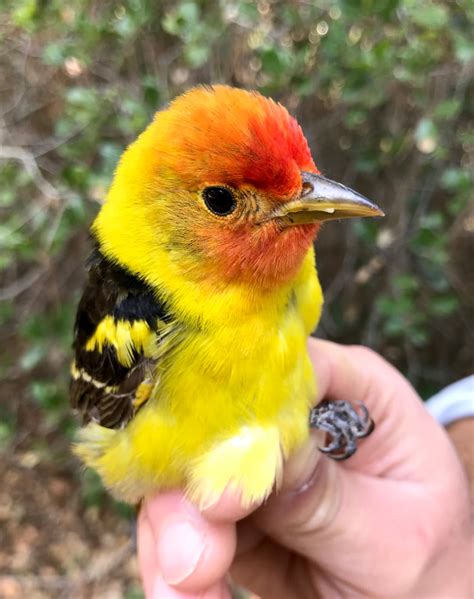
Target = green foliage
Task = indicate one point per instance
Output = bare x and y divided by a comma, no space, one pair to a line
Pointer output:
134,592
92,490
7,427
93,494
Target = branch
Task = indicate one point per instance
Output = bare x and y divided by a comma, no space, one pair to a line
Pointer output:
29,162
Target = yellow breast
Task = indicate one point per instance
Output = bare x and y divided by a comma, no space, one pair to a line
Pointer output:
228,403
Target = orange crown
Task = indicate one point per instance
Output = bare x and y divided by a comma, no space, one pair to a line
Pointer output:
230,136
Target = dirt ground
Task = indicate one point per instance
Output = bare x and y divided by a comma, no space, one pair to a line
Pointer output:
53,547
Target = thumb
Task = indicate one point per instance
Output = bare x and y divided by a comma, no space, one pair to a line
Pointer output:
330,512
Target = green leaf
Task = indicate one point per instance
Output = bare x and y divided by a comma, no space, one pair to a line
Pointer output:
249,12
418,337
24,13
196,54
54,54
32,356
126,27
272,60
444,306
406,283
456,179
429,15
134,592
447,109
7,432
432,221
182,18
464,47
81,96
92,490
49,396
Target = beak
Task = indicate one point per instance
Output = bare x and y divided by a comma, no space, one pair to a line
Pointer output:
322,199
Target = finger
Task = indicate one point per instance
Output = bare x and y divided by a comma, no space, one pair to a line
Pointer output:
193,554
154,585
162,590
229,507
146,553
267,570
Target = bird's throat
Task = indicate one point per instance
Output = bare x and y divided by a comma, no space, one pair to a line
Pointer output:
264,259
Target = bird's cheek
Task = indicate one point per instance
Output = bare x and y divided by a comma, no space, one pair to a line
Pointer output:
263,256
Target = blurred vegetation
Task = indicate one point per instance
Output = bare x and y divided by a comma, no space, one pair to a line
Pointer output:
383,89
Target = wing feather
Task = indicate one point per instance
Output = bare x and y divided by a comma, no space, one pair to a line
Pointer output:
122,329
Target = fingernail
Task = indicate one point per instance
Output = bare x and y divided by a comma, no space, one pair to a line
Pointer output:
162,591
180,547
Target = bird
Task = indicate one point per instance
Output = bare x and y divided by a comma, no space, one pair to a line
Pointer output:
191,368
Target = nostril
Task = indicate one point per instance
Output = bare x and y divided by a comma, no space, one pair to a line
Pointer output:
306,188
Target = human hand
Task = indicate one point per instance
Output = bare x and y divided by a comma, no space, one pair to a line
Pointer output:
392,522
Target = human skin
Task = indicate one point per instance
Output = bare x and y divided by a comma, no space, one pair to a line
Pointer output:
461,433
394,521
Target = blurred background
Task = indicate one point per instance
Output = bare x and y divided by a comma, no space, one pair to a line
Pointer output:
383,90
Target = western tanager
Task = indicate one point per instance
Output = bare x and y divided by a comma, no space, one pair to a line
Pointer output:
190,365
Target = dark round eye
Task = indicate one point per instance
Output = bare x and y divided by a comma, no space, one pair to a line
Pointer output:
219,200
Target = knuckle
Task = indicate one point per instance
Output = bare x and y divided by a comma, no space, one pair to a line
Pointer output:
366,353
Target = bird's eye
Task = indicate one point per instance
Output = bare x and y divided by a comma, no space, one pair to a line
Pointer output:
219,200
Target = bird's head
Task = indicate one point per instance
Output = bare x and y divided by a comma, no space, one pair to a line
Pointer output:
221,186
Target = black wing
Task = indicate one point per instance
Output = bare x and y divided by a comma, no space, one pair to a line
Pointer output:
106,387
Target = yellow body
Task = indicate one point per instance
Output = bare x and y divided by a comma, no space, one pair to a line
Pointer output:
229,402
232,392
